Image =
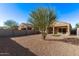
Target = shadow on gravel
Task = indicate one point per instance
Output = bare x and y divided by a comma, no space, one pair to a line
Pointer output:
9,47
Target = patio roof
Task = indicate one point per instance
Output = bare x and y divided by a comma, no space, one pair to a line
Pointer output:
60,24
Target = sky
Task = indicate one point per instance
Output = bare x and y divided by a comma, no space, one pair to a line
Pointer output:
19,12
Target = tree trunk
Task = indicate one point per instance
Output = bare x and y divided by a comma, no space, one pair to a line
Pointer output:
44,34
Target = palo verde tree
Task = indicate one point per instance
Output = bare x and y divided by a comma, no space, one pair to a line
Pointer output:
41,18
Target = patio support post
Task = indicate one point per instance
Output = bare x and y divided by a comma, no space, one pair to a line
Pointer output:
53,30
68,30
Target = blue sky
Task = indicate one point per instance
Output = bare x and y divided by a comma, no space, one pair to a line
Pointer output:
19,12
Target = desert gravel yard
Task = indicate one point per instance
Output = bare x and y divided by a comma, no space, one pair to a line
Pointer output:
34,45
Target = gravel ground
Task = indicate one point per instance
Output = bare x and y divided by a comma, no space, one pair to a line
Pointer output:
34,45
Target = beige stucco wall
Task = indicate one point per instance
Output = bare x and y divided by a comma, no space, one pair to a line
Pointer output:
61,24
23,25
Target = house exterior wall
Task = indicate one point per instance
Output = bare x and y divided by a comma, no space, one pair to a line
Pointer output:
77,31
24,26
61,25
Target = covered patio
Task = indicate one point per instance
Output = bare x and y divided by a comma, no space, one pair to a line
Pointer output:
61,28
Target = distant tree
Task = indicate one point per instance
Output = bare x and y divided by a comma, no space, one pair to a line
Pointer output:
41,19
11,24
77,25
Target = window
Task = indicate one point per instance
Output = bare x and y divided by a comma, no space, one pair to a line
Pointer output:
23,29
62,30
29,28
